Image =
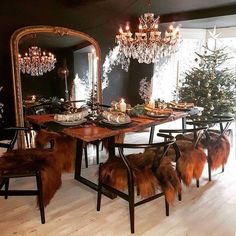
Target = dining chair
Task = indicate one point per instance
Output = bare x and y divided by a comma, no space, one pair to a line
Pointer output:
22,163
216,141
144,173
192,158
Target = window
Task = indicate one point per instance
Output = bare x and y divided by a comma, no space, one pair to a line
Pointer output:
170,72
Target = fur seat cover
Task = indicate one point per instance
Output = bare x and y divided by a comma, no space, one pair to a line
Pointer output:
191,161
147,178
218,147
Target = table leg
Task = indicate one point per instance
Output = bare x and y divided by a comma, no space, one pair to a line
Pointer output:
151,134
78,167
78,160
111,148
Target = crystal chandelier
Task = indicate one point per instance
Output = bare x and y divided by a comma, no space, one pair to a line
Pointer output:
36,63
148,45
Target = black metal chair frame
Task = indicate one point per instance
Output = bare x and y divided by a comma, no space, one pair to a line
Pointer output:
197,132
130,196
5,177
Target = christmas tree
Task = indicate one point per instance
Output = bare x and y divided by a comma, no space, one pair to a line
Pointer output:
210,85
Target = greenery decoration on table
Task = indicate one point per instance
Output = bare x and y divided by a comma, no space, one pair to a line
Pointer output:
211,85
138,110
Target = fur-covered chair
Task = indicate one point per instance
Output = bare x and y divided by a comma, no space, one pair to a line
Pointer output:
150,173
216,141
45,162
192,158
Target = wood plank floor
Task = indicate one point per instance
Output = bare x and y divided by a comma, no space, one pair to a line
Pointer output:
208,210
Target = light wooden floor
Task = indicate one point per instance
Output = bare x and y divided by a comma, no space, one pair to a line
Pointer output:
208,210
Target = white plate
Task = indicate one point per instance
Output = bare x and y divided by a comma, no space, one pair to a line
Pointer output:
71,123
115,123
150,114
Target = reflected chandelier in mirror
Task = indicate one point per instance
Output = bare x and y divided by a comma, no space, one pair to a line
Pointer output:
36,63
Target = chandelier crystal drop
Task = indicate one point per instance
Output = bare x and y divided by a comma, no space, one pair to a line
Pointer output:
148,45
36,63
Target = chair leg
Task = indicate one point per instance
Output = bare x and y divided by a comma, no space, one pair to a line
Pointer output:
197,183
99,195
167,208
223,168
86,155
7,180
131,215
40,196
209,171
180,196
131,203
27,139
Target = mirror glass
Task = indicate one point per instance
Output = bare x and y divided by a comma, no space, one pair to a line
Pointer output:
74,74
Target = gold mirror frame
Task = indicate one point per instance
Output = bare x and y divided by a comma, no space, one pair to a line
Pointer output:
14,44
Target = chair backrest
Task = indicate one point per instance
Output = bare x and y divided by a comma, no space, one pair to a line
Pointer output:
224,122
169,140
196,131
10,134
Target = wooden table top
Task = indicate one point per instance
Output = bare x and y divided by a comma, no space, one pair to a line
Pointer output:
94,131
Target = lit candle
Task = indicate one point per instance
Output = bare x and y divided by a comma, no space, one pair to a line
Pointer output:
151,104
92,68
122,105
33,98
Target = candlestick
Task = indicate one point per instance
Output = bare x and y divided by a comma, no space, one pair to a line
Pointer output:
122,105
93,86
151,104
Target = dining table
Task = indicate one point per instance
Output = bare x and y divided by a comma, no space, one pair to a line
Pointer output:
94,130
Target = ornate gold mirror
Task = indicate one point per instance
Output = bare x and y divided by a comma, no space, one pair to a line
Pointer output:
61,42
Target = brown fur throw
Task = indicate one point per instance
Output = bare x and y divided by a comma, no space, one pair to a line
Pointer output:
27,160
64,147
147,179
118,139
218,149
191,162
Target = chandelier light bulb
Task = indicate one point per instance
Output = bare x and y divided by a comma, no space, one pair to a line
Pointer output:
171,28
127,27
